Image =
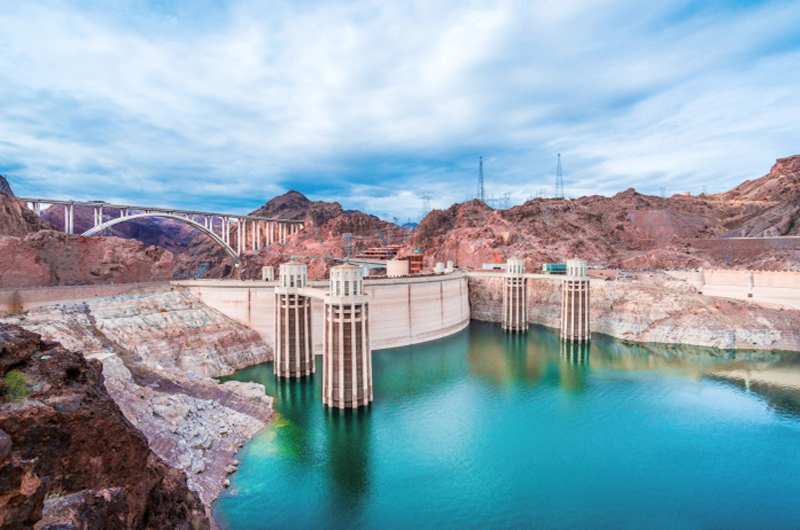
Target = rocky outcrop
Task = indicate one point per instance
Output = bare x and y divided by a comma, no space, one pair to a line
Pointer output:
291,205
653,309
33,254
16,219
768,206
159,349
48,257
325,224
5,187
70,441
628,229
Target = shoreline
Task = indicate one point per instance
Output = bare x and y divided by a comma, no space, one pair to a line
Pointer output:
161,350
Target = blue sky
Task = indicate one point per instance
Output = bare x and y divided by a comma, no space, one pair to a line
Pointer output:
223,104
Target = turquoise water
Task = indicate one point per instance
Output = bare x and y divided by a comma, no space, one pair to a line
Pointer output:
487,430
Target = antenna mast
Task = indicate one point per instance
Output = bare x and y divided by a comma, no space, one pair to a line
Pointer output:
559,180
481,193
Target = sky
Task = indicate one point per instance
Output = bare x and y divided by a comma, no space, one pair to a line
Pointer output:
221,105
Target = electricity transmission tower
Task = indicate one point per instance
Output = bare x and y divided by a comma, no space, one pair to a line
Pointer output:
426,204
559,180
347,239
481,196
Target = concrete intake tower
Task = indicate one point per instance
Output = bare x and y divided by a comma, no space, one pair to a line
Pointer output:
515,299
575,302
294,356
347,357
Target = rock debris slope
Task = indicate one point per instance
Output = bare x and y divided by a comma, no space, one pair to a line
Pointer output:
69,458
159,350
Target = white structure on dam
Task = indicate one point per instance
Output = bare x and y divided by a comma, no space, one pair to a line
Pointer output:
293,354
347,356
515,299
575,302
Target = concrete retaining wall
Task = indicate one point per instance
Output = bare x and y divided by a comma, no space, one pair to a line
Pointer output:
769,287
402,311
16,300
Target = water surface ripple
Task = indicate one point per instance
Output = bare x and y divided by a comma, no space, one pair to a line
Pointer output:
489,430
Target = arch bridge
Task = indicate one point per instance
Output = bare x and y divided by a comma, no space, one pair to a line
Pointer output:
234,233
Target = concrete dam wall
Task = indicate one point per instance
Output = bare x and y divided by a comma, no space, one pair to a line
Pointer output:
402,311
767,287
14,300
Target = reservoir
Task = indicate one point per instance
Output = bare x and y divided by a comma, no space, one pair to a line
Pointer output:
486,429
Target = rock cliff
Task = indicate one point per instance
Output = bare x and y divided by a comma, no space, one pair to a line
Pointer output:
653,309
159,349
69,458
34,254
15,218
49,257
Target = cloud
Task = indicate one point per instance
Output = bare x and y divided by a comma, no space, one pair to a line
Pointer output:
221,105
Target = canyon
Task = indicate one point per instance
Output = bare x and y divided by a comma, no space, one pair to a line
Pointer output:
143,363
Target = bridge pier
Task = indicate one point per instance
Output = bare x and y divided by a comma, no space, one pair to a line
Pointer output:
294,356
347,357
575,302
69,217
515,296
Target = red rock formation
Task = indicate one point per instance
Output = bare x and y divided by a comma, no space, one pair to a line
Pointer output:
69,440
325,223
626,230
768,206
32,254
5,187
16,219
49,257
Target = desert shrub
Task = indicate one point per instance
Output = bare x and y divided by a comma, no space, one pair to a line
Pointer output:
16,387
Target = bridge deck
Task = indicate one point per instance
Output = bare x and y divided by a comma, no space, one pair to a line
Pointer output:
176,211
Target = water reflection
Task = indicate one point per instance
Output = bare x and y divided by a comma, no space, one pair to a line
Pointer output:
778,385
506,359
575,353
348,434
540,358
413,371
574,363
294,441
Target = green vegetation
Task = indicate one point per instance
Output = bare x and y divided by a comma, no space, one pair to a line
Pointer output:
16,387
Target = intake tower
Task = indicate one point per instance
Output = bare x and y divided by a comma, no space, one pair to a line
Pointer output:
347,357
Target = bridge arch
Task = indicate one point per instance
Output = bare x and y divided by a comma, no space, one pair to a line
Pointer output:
218,240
